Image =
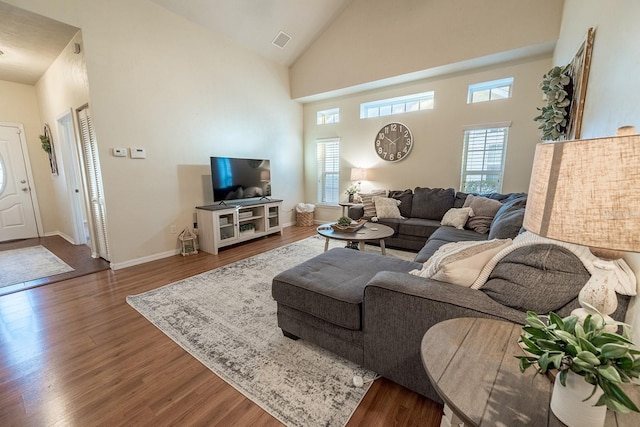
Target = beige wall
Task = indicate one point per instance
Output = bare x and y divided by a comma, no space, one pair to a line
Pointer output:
378,39
614,88
435,160
183,93
18,104
64,87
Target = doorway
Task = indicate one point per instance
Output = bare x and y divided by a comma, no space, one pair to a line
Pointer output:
18,203
73,177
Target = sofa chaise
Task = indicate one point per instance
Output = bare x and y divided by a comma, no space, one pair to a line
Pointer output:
368,309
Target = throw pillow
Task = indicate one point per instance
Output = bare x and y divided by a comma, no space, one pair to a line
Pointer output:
406,198
508,220
460,263
386,207
484,210
367,202
456,217
432,203
541,278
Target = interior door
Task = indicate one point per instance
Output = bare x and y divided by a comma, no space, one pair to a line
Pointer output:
17,215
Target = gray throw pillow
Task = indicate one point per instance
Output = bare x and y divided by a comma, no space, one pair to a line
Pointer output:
431,203
405,198
484,210
541,278
508,220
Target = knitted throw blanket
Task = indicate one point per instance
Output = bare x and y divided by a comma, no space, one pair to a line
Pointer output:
626,278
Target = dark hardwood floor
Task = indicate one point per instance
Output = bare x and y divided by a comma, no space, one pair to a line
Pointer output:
76,354
77,257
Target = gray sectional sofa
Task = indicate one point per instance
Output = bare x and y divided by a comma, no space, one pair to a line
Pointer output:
368,308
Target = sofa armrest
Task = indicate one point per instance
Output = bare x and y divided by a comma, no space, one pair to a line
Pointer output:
356,211
399,308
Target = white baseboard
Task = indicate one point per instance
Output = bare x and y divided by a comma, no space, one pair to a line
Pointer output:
138,261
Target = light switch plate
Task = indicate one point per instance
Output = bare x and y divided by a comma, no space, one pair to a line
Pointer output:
119,152
138,153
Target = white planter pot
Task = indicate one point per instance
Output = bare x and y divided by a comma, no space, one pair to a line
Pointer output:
567,403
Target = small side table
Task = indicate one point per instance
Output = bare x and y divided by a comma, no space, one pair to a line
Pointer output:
345,207
471,364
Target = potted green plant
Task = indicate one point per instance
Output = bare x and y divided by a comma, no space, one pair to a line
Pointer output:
586,355
553,117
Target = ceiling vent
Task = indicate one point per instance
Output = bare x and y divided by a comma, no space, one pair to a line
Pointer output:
281,39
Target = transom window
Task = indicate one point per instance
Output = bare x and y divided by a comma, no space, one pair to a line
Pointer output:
328,116
398,105
328,161
483,159
490,91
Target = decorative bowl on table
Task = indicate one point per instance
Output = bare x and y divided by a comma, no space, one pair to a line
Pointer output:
351,228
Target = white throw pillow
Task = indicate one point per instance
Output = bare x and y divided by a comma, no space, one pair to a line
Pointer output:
457,217
460,263
387,207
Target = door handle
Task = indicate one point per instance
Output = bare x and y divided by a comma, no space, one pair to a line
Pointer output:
25,189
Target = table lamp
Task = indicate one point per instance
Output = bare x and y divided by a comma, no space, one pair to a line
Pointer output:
587,192
358,175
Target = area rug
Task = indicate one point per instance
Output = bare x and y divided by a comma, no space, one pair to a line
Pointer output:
226,318
26,264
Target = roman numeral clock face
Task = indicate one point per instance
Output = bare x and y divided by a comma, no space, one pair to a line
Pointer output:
393,142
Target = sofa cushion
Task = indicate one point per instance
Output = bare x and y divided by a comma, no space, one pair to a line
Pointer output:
484,210
541,278
418,227
444,235
431,203
406,198
324,288
386,207
508,220
456,217
460,263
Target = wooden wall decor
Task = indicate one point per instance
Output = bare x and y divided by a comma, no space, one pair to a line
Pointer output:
579,78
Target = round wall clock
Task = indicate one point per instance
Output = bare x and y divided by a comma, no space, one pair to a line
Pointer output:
393,142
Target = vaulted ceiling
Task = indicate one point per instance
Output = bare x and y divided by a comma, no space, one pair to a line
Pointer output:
30,42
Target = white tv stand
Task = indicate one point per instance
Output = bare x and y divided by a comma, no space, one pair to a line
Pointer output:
236,221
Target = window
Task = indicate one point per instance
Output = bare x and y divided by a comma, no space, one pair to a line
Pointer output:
399,105
328,157
328,116
490,91
483,159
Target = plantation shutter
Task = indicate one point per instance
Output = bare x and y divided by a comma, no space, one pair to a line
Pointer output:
483,160
94,184
328,167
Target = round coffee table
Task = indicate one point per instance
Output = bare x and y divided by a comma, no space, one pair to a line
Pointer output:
370,231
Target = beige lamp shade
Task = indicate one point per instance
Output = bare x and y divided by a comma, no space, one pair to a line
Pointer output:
265,176
587,192
358,174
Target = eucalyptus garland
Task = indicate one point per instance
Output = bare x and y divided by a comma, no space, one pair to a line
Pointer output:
554,117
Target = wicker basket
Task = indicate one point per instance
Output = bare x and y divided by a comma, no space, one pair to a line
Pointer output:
304,219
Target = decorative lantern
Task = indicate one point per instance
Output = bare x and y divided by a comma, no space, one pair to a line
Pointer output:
187,242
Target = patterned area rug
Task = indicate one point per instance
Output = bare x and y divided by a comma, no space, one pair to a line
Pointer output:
34,262
226,318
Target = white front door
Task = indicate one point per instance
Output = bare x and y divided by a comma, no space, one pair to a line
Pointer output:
17,216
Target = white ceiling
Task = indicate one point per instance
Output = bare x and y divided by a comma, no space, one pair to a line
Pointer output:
255,23
31,42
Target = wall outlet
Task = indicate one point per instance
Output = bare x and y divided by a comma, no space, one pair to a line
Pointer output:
172,229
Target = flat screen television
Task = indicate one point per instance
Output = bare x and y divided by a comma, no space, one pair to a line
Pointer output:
234,178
